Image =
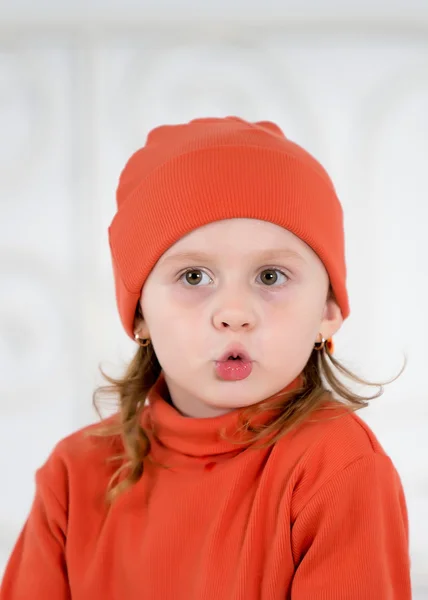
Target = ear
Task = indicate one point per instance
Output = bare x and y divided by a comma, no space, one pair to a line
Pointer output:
332,318
140,325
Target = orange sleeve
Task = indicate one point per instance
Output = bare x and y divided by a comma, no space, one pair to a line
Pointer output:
351,539
37,568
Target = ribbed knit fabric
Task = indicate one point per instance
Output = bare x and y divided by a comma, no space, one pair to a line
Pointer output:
187,176
319,516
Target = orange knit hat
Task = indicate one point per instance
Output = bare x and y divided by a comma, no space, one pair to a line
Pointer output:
189,175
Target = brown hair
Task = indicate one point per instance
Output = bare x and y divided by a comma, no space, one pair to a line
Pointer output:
144,369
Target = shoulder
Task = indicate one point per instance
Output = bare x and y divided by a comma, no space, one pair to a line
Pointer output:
333,429
336,427
330,442
83,456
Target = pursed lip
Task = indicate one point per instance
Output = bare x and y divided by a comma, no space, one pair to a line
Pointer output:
235,350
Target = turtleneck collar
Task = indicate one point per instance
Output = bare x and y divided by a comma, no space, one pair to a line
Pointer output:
196,437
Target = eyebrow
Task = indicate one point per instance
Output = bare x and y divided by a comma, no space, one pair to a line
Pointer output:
203,257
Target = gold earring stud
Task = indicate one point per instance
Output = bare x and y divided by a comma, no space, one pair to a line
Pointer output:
144,341
321,343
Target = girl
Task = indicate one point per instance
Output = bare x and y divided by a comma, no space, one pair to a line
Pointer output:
246,475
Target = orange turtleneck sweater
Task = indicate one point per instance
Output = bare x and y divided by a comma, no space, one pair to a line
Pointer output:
321,515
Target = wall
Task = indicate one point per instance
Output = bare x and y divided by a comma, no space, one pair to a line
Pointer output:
79,88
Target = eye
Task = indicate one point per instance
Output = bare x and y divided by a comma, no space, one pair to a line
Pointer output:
195,277
272,277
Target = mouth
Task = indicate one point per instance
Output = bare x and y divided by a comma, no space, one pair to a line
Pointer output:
234,365
235,353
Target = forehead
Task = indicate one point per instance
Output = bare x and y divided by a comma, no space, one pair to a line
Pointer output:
240,236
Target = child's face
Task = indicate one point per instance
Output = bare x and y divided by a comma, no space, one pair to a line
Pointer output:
249,282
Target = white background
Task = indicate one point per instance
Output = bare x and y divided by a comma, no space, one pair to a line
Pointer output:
80,86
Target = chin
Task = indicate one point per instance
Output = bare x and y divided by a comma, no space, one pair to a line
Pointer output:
232,399
220,408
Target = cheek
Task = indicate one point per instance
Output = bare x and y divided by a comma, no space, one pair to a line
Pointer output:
294,302
172,322
292,321
184,298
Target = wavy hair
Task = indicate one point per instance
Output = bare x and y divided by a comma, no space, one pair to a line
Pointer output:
320,379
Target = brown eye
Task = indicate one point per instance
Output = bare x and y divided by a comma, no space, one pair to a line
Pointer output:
193,277
269,277
272,276
196,278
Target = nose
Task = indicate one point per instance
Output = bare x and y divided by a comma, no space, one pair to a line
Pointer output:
234,318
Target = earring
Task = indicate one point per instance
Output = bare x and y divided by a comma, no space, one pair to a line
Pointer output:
144,342
321,343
